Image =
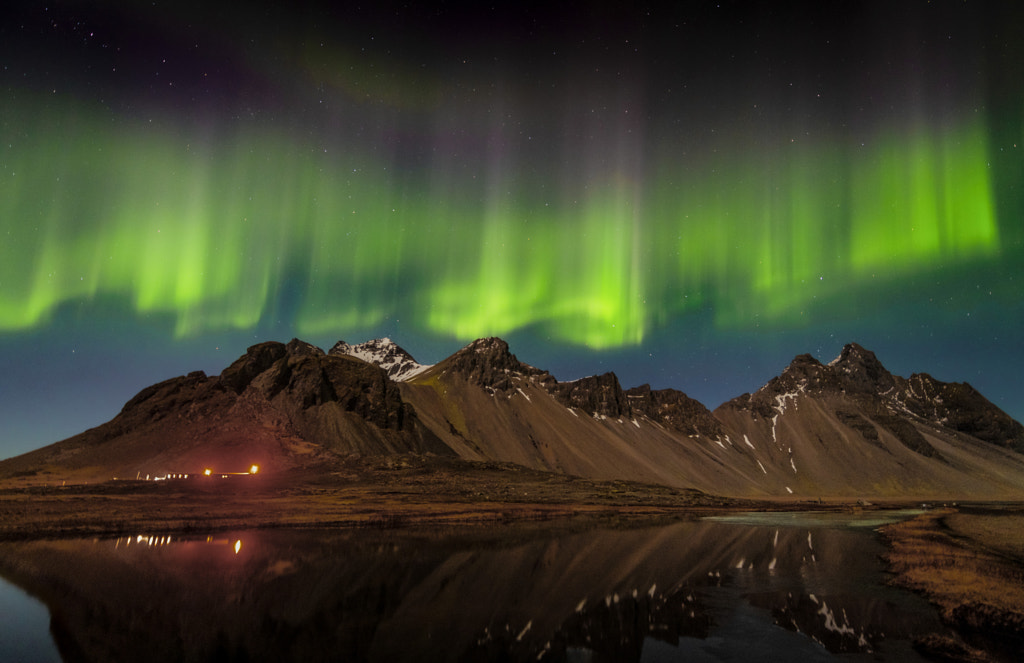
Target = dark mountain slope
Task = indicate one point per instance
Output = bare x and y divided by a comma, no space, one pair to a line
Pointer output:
487,405
278,406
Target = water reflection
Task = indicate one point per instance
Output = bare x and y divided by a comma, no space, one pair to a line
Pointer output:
688,591
163,540
24,636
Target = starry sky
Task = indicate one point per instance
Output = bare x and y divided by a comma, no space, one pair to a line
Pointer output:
688,194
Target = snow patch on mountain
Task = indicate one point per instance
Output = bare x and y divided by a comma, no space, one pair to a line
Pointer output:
781,399
780,406
385,353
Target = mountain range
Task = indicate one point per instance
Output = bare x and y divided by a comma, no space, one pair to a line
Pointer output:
846,429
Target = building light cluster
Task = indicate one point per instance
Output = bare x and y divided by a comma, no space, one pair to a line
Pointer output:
165,477
224,475
208,472
181,476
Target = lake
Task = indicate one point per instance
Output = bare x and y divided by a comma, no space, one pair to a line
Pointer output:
747,587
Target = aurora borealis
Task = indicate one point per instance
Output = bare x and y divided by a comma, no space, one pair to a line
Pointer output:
687,195
141,218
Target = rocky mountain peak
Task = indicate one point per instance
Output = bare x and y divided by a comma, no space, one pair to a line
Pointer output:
317,394
856,371
860,370
854,352
804,369
297,348
385,353
342,348
491,345
489,363
257,359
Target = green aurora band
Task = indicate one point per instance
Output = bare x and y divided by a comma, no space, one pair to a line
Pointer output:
220,230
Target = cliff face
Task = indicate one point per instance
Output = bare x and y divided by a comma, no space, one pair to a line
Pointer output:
849,428
487,362
602,395
599,395
675,410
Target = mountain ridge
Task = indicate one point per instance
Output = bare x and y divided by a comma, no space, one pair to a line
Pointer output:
849,427
385,353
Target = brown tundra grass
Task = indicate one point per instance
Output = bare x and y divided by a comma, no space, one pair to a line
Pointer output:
971,565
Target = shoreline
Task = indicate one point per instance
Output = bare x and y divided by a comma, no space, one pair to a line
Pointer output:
969,562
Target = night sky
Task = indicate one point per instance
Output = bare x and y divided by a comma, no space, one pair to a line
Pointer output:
688,194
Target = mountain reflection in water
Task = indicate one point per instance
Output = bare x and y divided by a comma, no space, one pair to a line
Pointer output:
687,591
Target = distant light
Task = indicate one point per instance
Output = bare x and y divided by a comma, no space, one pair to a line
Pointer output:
238,546
207,471
254,469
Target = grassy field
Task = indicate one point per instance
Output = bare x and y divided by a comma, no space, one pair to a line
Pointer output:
970,563
391,492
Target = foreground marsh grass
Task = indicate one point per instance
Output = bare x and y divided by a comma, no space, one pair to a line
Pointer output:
970,563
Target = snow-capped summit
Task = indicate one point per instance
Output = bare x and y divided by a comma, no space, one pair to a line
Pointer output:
385,353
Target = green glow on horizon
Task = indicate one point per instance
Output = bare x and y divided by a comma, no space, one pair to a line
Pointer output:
252,226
